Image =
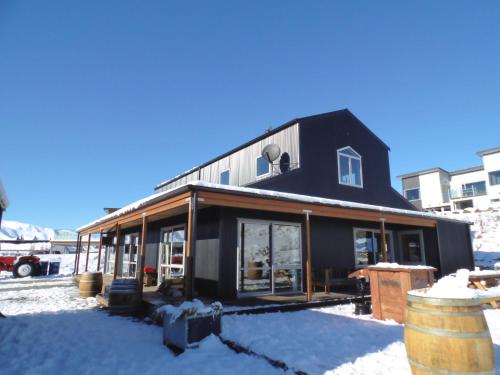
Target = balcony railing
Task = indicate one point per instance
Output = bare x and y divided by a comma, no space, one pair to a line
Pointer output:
466,193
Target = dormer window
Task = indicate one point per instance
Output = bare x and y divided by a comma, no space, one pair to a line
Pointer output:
349,165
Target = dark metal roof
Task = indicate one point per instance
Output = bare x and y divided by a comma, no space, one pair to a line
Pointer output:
265,135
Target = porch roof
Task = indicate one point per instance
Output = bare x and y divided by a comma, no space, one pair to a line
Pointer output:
210,194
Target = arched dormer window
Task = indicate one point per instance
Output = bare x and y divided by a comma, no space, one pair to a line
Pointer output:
349,167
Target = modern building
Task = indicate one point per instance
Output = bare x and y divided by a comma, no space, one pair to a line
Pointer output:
4,201
438,189
311,195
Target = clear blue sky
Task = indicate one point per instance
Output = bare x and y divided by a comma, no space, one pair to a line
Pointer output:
102,100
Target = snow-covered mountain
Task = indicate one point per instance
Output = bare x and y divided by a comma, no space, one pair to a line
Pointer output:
485,233
13,230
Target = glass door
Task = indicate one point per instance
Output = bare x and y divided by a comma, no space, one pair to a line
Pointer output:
269,257
172,254
254,258
130,255
287,261
110,257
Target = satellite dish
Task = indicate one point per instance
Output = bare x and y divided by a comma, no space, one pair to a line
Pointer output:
271,152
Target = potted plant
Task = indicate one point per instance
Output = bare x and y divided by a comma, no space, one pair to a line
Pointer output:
149,276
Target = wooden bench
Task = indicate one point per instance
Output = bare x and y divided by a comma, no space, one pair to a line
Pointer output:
329,278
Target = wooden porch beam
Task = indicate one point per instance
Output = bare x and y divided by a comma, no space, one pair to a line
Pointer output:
99,253
88,252
263,204
383,242
117,251
190,247
163,206
78,244
143,252
307,223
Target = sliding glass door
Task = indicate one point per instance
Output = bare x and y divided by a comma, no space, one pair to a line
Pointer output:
269,257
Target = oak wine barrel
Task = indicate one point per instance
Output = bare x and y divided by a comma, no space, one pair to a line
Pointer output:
90,284
448,336
124,296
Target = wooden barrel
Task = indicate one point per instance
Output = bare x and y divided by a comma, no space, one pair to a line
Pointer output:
253,274
124,296
447,336
90,284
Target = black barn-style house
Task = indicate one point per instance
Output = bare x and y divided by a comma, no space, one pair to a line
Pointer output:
251,222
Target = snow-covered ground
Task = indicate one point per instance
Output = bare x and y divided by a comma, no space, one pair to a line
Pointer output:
485,233
54,331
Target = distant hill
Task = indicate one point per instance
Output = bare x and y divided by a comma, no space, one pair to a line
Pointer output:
13,230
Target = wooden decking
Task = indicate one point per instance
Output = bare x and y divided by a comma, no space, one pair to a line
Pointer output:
257,304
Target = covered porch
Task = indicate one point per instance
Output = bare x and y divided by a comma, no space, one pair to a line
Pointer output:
208,220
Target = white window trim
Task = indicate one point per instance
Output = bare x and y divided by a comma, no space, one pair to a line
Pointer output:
339,152
257,176
162,233
412,200
422,246
220,175
390,250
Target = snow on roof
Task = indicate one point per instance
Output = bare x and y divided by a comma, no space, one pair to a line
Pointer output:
263,193
4,201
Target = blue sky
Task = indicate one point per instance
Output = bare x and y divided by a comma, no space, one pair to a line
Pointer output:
102,100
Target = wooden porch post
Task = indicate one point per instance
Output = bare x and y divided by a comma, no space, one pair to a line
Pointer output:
308,256
143,252
383,242
117,251
99,253
190,246
88,252
77,255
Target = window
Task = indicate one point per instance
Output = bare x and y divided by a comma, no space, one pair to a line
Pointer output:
224,177
474,188
494,178
269,257
262,166
462,205
412,247
412,194
349,165
368,247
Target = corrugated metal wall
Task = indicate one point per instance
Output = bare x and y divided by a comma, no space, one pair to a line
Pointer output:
242,164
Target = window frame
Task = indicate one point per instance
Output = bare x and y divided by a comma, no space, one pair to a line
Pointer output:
390,249
490,179
257,176
239,249
412,200
350,157
228,170
420,233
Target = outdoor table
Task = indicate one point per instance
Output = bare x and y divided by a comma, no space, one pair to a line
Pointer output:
482,280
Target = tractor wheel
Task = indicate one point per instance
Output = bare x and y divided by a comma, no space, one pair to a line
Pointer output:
24,269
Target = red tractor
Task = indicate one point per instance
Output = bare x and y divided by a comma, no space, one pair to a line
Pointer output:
23,266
